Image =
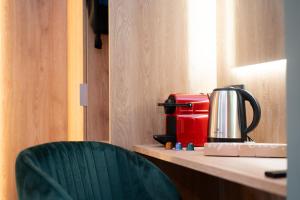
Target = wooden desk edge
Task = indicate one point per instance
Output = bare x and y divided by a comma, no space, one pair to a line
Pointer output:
268,185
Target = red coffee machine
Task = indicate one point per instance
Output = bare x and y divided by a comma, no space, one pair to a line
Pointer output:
186,119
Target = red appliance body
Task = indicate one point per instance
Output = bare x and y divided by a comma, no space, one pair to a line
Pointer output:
187,118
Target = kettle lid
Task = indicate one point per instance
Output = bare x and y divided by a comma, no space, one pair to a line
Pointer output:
226,89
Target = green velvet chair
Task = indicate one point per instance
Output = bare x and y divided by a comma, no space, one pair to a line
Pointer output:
89,170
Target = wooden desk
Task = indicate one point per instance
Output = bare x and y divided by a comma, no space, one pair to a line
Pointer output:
243,170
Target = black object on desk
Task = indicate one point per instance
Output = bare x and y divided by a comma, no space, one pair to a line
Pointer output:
276,174
163,139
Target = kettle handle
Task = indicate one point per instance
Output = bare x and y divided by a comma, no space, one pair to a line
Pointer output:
256,110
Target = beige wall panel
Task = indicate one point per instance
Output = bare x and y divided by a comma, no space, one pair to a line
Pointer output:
267,82
156,48
148,61
242,40
33,80
259,31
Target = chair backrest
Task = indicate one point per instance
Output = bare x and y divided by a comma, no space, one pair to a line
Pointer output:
88,170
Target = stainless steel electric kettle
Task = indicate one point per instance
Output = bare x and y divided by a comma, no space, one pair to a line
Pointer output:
227,115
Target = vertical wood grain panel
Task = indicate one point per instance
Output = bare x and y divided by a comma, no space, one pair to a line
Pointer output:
5,7
33,79
98,84
250,32
148,61
153,53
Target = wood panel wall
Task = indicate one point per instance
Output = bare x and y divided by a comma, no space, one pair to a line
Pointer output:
33,80
259,31
98,86
251,32
148,60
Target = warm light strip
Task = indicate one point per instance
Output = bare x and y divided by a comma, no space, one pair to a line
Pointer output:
262,68
201,45
75,69
2,160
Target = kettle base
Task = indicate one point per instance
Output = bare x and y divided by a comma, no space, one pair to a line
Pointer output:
209,139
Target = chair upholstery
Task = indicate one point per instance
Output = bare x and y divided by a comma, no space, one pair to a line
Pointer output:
88,170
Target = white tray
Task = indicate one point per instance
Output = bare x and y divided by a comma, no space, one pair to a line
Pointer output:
247,149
